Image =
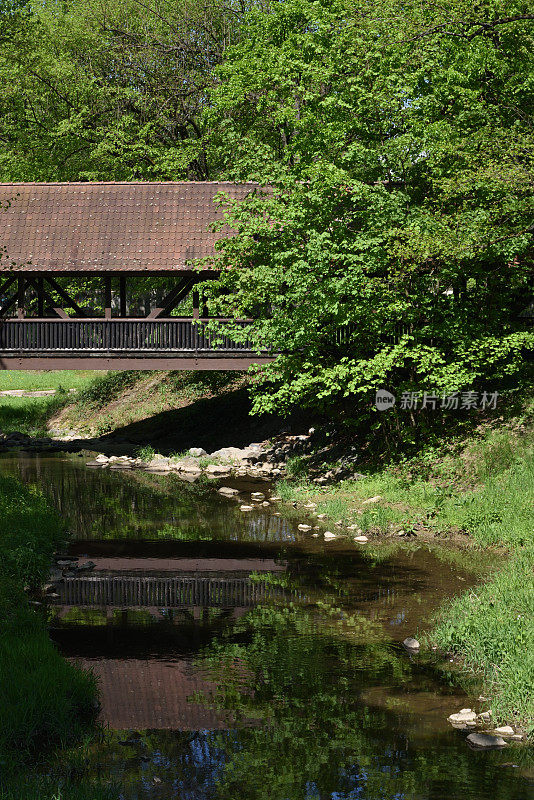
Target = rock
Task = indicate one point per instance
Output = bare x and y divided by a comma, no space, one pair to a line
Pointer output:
101,458
274,498
190,469
484,716
304,528
66,562
311,506
374,499
463,717
227,491
321,516
362,540
197,452
505,730
329,535
232,455
485,741
218,469
266,504
411,644
257,496
246,508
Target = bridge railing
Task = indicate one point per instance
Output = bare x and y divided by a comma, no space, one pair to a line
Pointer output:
120,335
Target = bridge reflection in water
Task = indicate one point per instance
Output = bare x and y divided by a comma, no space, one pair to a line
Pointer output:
140,634
128,591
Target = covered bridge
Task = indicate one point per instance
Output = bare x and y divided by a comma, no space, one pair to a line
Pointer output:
109,233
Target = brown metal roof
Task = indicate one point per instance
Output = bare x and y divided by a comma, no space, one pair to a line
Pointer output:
96,227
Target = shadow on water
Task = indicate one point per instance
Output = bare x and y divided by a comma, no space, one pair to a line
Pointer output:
239,658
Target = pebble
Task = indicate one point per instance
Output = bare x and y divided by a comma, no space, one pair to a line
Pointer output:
227,491
374,499
257,496
265,503
275,499
411,644
329,535
304,528
505,730
361,539
246,508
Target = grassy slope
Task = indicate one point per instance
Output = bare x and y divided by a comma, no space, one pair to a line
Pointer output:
30,415
45,700
485,493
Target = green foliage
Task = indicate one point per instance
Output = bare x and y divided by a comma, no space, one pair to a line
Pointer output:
30,533
492,629
105,388
45,700
397,143
109,90
146,453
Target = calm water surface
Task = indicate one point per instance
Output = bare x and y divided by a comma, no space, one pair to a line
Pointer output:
239,658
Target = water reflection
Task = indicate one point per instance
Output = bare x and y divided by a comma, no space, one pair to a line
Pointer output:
238,658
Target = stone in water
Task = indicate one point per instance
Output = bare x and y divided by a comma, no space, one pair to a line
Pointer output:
485,741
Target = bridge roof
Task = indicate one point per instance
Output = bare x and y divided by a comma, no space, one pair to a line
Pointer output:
110,227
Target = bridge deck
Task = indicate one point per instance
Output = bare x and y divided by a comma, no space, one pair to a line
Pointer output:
173,343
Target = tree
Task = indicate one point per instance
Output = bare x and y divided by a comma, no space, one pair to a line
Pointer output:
394,247
112,90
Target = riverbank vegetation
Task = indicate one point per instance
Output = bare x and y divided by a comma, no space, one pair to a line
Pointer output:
46,701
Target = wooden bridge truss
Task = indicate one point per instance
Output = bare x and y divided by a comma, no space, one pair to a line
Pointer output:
42,333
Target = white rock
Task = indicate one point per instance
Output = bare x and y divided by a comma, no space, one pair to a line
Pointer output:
274,498
246,508
266,504
411,644
374,499
304,528
218,469
190,469
329,535
310,505
101,458
505,730
197,452
227,491
257,496
361,539
463,717
466,710
315,535
321,516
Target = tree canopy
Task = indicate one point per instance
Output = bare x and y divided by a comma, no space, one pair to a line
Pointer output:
393,246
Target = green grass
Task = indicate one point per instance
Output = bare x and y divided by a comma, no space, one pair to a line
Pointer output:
30,415
492,629
46,701
32,380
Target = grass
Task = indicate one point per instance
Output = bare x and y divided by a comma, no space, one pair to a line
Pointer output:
30,415
46,701
492,629
483,490
32,380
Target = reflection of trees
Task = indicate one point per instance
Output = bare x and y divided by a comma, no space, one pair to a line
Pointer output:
303,676
108,504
